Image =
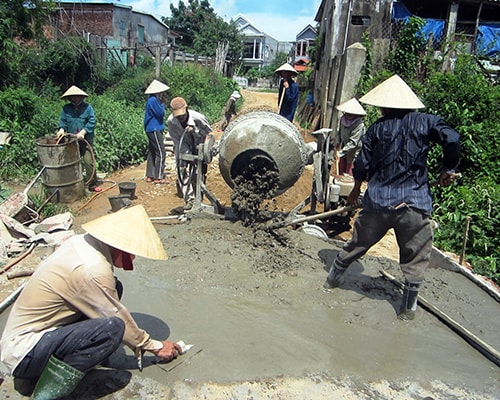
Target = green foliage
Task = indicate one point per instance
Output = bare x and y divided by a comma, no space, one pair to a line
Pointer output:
202,29
119,135
404,59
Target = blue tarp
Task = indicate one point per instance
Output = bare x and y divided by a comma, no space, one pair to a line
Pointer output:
434,27
488,40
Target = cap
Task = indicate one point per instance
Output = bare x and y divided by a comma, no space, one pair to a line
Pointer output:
392,93
286,67
156,87
74,91
352,106
130,230
236,94
178,106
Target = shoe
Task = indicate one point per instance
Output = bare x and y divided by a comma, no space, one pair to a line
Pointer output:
188,206
148,179
97,189
409,302
334,276
161,182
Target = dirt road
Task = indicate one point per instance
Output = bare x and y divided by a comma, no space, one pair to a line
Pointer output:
262,326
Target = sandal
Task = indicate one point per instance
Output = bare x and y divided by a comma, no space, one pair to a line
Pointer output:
148,179
161,181
97,189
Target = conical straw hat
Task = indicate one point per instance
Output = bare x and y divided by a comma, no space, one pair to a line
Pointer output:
130,230
392,93
286,67
352,107
236,94
156,87
74,91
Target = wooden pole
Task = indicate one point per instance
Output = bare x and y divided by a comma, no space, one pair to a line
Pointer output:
464,243
480,345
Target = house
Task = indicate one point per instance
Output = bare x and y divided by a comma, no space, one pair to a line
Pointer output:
304,41
115,27
259,49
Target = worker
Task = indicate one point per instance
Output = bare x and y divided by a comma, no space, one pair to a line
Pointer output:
229,109
188,129
154,126
78,118
393,160
288,92
68,319
350,135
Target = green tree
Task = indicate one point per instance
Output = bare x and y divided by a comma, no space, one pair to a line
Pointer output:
202,29
19,20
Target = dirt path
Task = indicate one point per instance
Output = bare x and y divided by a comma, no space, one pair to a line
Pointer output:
253,306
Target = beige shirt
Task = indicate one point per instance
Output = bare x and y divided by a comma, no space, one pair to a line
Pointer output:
77,279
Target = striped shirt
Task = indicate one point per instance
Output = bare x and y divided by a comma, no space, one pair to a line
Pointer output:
394,160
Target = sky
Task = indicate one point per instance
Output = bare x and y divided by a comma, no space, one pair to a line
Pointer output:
281,19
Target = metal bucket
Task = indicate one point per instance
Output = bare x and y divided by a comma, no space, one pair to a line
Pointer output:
120,201
264,139
63,169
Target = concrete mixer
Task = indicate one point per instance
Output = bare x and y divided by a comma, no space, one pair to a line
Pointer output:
260,141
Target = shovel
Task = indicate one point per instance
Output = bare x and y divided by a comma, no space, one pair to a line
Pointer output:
16,202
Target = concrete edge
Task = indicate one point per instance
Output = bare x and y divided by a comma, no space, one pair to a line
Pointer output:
441,260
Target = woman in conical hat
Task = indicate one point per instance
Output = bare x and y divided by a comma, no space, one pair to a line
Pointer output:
350,135
288,92
393,160
69,317
154,125
78,118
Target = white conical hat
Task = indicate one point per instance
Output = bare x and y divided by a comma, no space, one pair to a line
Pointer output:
286,67
130,230
352,106
156,87
74,91
392,93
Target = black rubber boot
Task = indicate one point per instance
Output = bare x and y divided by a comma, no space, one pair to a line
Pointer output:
409,302
333,278
58,379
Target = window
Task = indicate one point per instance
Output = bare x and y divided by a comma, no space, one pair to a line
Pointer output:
140,34
123,28
360,20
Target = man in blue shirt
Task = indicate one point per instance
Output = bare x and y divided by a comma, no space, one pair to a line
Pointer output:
154,126
394,162
288,93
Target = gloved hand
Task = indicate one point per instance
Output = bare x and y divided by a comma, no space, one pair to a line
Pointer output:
60,133
80,135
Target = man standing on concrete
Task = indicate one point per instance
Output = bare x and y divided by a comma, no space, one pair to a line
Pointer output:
394,162
188,129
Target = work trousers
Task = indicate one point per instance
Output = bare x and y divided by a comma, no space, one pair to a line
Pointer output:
155,162
83,345
413,233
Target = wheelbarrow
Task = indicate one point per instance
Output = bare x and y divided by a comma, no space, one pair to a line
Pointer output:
17,205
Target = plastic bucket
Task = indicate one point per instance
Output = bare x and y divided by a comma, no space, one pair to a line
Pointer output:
63,169
127,188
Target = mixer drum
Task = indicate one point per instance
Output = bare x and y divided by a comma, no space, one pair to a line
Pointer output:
263,139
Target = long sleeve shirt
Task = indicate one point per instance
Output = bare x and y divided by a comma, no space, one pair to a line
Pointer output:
76,280
154,115
393,160
74,119
289,98
192,135
350,139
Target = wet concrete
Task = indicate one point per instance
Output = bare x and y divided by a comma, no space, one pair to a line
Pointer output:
263,327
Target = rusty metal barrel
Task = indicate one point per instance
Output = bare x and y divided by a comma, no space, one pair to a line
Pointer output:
262,138
63,168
